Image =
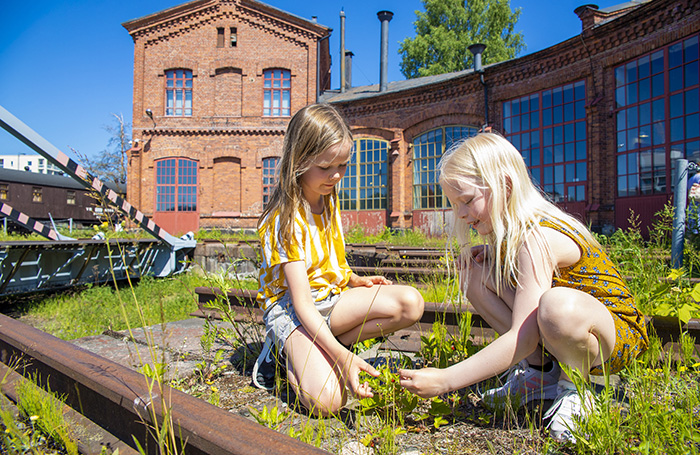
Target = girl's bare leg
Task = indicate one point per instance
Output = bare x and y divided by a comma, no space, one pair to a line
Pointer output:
368,312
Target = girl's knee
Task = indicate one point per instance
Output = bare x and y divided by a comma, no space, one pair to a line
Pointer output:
328,402
412,304
559,313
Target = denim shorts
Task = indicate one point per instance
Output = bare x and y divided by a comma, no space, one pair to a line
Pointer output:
281,320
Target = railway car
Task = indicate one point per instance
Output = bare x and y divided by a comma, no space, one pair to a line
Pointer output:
44,196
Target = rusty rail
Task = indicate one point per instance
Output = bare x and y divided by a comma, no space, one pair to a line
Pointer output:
120,401
243,302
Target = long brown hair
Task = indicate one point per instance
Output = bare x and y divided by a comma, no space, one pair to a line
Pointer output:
311,131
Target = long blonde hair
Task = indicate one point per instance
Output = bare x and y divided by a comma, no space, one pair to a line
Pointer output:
515,207
311,131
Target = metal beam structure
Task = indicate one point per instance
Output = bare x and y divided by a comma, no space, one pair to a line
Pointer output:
62,262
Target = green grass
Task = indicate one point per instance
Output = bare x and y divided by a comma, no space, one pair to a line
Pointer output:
92,310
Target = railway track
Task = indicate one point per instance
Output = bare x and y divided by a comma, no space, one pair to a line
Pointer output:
108,404
408,340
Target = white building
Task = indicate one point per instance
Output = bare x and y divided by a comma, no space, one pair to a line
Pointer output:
29,162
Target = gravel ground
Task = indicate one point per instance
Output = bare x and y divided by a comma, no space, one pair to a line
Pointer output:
470,429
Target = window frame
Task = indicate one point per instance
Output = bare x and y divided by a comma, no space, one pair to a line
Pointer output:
427,193
179,82
179,183
269,177
272,93
364,186
656,104
550,130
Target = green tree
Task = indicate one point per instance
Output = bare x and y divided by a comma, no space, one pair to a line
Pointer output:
448,27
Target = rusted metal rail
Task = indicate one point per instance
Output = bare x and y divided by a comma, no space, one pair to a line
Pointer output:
243,303
125,403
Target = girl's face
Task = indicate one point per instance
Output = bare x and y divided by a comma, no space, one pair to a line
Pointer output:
470,203
325,172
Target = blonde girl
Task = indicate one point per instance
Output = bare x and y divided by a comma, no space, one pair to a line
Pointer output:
315,306
539,279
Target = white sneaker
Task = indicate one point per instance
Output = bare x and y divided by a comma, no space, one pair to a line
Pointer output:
264,368
526,384
562,412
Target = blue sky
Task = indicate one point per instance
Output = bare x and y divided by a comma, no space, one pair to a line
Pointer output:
67,66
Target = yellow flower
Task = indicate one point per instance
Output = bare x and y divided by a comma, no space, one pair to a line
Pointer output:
696,365
214,389
682,368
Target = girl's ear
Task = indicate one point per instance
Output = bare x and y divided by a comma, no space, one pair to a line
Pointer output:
509,187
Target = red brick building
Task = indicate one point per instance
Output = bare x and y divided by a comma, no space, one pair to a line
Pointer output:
215,82
600,118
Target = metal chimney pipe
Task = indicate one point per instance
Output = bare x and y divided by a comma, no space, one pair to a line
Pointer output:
342,51
348,69
384,17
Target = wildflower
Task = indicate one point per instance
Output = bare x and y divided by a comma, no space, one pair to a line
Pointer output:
34,418
214,389
682,368
696,365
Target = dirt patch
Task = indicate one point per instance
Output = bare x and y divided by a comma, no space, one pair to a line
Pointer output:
469,429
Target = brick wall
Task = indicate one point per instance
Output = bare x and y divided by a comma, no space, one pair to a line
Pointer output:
226,134
590,56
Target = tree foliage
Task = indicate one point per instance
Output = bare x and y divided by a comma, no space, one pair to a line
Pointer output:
109,165
448,27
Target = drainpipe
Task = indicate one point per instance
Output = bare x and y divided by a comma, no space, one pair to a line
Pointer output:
384,17
477,50
318,67
680,193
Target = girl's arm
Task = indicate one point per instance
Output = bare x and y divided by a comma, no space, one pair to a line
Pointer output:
509,348
348,363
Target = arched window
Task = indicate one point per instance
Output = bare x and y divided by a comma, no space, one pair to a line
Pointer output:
269,178
364,186
176,185
428,148
178,93
277,93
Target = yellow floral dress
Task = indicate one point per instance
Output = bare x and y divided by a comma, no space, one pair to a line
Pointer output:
595,274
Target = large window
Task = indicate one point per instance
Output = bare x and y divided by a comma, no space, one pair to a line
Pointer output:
277,93
657,117
176,185
178,93
549,130
428,148
269,176
364,186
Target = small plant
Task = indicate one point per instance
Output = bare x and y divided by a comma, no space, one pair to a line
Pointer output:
270,418
674,297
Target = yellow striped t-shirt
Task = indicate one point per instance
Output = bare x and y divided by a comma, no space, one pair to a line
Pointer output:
316,243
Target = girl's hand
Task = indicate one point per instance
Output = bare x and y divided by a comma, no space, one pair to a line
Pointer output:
426,382
478,253
366,281
351,371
